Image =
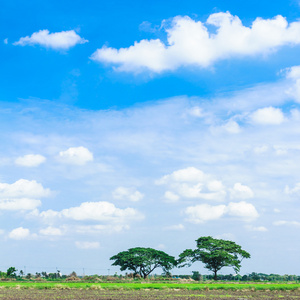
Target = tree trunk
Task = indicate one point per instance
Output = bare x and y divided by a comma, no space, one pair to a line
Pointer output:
215,275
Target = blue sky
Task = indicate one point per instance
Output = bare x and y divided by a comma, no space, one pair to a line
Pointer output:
148,124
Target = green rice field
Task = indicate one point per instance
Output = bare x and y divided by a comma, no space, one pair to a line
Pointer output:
147,290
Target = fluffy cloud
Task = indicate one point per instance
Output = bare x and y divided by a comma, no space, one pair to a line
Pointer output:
19,233
128,194
58,40
22,195
101,211
192,183
190,174
76,156
19,204
189,42
23,188
243,210
171,197
240,191
87,245
267,116
30,160
201,213
204,212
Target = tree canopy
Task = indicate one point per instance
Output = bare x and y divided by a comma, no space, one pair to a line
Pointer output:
215,254
143,261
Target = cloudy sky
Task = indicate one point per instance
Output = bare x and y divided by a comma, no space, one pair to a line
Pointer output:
148,123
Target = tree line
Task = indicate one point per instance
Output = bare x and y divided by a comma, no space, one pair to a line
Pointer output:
213,253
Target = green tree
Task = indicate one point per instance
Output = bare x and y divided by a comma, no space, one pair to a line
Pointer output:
143,261
215,254
11,272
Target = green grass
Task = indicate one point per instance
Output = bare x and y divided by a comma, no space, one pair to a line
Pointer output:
149,285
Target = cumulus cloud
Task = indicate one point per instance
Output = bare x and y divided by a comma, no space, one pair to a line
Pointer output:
19,233
87,245
23,188
22,195
127,193
190,174
190,43
76,156
240,191
244,210
58,40
268,116
192,183
204,212
30,160
101,211
19,204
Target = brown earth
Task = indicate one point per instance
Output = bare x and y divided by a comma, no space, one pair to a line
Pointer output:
74,294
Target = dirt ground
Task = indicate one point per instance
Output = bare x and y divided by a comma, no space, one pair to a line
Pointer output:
75,294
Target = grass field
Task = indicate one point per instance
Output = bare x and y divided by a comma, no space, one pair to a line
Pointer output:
132,291
150,285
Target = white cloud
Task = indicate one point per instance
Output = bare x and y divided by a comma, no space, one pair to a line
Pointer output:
267,116
232,127
196,111
127,193
19,233
189,43
240,191
101,211
19,204
190,174
201,213
293,191
288,223
30,160
261,149
243,210
204,212
175,227
58,40
100,228
51,231
5,41
171,197
22,189
76,156
293,74
87,245
192,183
258,228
